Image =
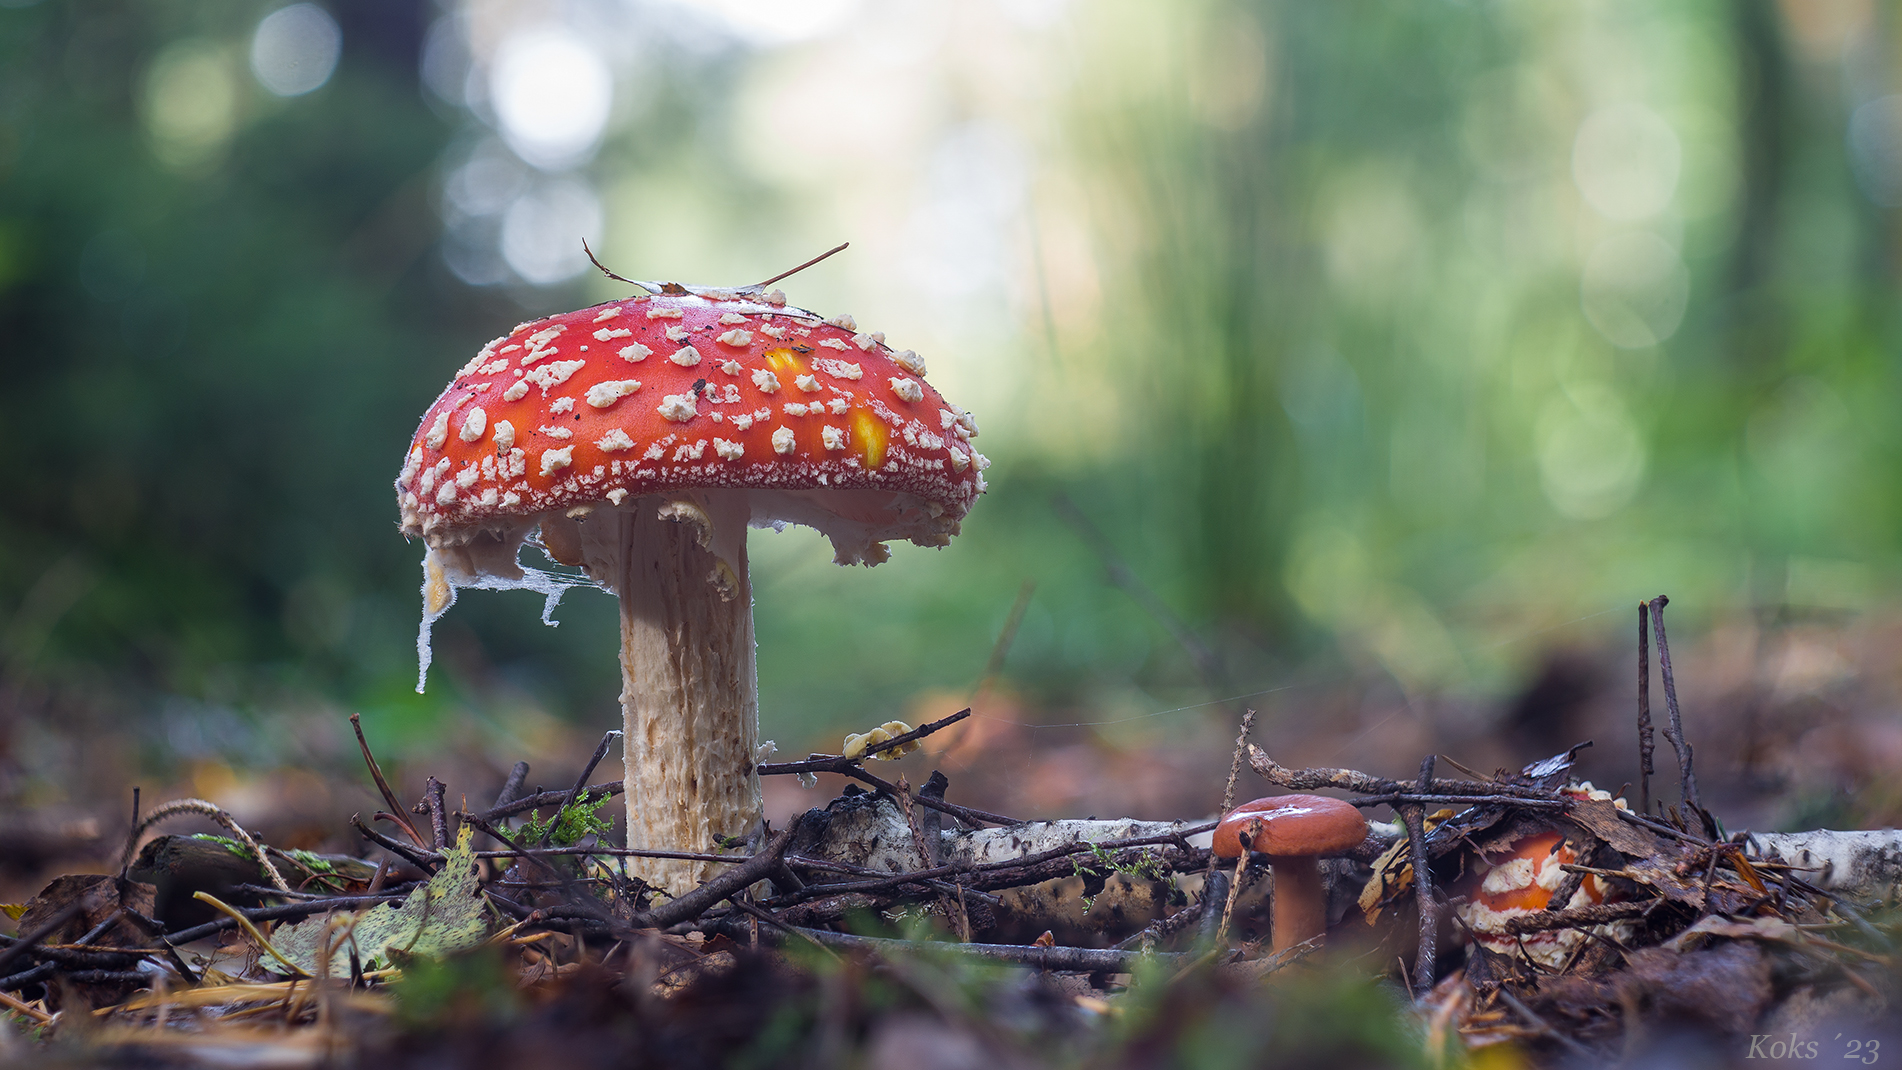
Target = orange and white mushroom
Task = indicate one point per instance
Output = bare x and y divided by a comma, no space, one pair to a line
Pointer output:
1522,881
639,439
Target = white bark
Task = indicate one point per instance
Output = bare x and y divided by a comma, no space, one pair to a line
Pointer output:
1865,864
1016,841
689,698
877,837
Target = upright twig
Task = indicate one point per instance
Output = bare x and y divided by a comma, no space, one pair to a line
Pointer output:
1235,764
966,814
1228,792
1207,665
1424,966
1006,636
1645,742
438,819
382,785
1253,829
512,786
1675,733
927,856
125,863
600,751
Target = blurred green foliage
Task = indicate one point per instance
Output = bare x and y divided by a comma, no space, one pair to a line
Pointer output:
1396,376
210,364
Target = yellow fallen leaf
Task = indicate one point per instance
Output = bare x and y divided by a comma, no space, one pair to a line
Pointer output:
1393,871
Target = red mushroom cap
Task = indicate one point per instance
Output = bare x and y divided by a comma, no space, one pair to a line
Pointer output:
1290,825
691,388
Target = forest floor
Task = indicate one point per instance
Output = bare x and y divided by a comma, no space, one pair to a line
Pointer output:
1096,955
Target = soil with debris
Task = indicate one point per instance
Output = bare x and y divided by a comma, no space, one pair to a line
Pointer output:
1520,918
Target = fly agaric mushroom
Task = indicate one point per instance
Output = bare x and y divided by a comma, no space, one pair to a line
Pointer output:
1294,831
638,439
1523,881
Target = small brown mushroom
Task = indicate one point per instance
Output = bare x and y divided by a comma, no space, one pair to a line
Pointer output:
1294,831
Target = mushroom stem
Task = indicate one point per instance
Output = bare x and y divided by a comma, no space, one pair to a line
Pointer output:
1300,903
689,692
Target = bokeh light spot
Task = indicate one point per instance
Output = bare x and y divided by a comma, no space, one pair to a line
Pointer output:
190,103
1875,149
552,91
1634,289
1625,161
295,49
779,22
543,230
1591,456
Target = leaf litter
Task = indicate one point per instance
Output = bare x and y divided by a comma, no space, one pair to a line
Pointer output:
1660,932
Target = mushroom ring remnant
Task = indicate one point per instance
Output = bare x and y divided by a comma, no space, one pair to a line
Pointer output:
638,439
1293,831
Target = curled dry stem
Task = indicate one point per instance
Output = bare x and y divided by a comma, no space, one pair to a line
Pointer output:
216,813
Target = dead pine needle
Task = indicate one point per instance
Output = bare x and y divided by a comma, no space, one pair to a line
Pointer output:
382,785
839,248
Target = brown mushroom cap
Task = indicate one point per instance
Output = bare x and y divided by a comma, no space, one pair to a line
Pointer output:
1290,825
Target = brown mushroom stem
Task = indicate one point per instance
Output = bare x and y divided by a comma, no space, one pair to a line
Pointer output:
1300,903
689,698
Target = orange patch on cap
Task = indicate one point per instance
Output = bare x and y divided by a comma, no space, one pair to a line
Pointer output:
870,434
786,364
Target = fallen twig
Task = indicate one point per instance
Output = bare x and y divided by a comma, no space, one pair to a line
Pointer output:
693,903
549,798
1353,780
963,813
600,751
828,763
1059,959
278,913
1596,914
26,942
1544,1027
427,861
